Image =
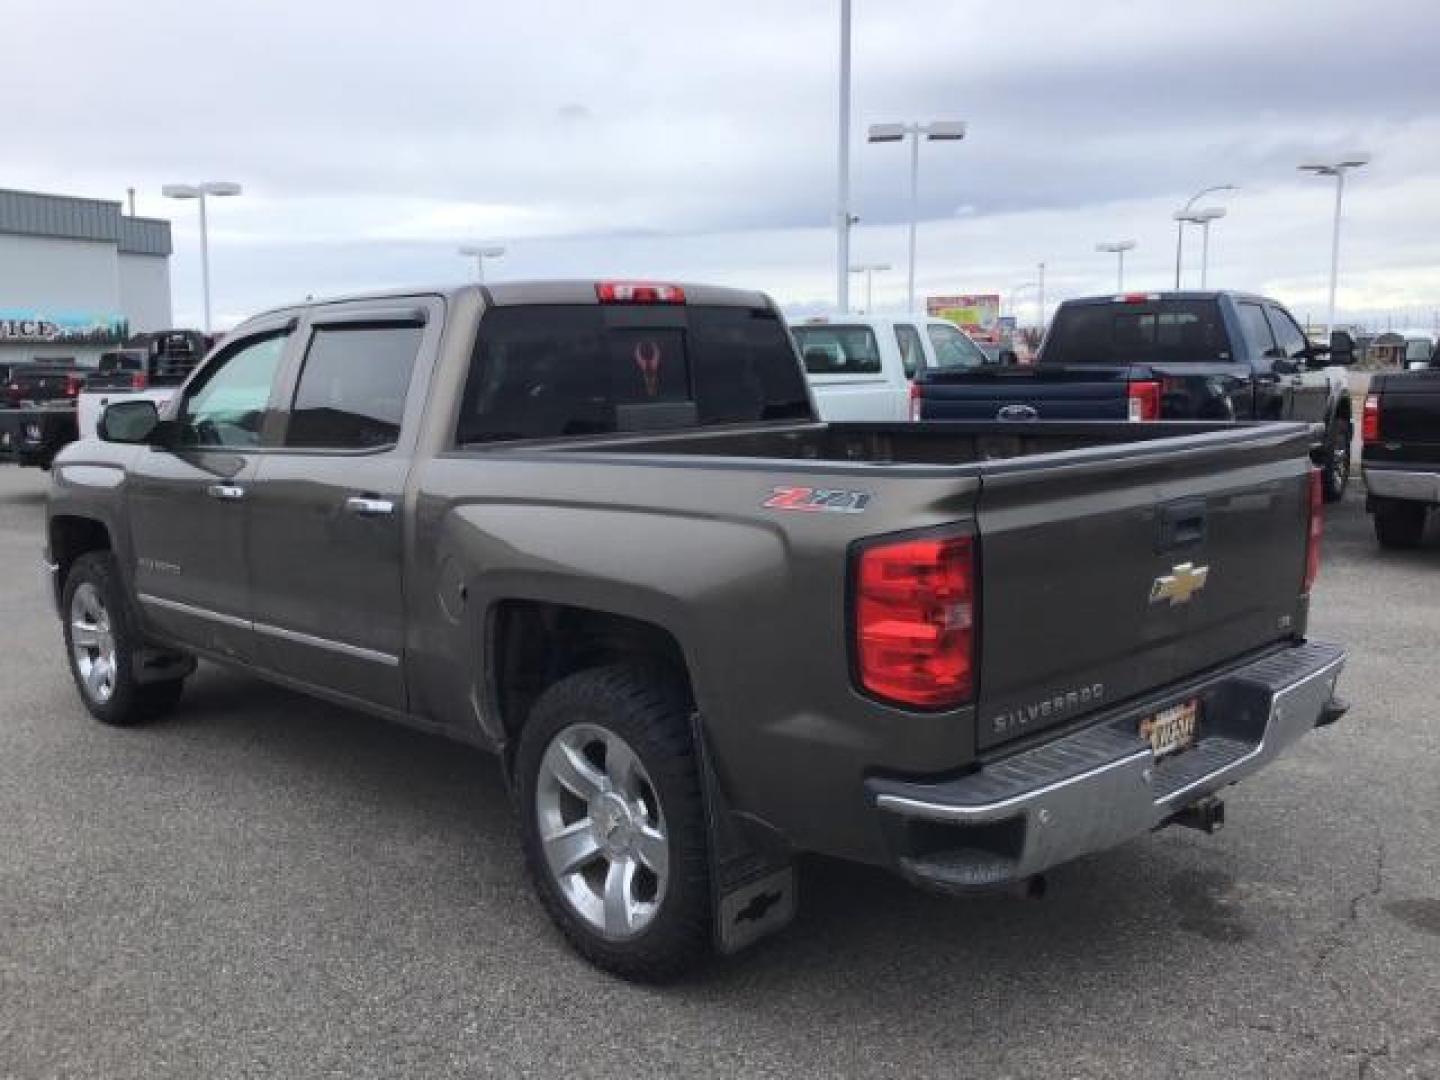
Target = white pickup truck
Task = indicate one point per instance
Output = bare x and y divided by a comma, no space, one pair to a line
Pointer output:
860,366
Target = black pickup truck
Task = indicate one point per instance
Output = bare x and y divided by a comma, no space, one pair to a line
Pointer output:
1400,430
598,528
39,416
1165,356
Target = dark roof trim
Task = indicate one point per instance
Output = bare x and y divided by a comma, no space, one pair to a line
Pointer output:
63,217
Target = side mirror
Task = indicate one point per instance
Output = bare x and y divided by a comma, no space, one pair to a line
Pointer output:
1342,347
1008,357
130,422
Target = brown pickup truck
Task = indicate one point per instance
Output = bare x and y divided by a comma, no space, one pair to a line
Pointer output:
597,529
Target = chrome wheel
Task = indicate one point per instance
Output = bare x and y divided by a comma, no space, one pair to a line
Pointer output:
602,830
92,643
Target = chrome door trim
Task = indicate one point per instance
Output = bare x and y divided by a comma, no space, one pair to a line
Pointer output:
374,656
196,612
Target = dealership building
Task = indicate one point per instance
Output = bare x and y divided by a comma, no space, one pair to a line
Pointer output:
78,277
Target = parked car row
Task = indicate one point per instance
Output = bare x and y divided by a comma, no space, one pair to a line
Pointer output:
601,530
49,404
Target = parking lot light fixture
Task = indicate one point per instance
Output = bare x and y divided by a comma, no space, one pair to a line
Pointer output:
1118,249
1202,217
200,192
1337,169
869,270
481,252
1181,219
935,131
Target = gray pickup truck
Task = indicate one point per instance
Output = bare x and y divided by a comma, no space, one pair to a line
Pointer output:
598,529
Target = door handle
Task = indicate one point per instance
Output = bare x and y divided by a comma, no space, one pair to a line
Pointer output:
227,492
365,506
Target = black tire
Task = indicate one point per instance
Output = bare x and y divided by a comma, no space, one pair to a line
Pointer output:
1399,524
649,711
1335,464
125,702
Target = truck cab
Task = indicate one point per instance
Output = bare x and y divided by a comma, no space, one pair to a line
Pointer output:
861,367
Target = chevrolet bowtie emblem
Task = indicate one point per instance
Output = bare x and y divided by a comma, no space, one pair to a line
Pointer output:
1178,586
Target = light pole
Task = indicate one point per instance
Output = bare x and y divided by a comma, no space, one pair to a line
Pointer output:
1118,248
935,131
869,270
481,252
1336,169
202,191
1040,284
1202,217
1180,220
842,211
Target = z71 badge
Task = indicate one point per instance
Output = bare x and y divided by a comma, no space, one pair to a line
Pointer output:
817,499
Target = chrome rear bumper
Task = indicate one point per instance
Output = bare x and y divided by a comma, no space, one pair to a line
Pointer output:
1100,786
1403,484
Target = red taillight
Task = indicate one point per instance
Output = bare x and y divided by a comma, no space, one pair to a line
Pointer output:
638,292
139,381
915,621
1144,400
1370,420
914,400
72,385
1316,530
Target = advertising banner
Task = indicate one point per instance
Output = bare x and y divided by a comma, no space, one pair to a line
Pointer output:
977,314
22,326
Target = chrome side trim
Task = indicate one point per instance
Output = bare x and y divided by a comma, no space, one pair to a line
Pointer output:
374,656
194,612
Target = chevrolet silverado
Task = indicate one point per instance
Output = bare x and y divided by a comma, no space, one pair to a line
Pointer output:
598,529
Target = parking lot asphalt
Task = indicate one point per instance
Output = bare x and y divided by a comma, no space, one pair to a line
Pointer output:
268,886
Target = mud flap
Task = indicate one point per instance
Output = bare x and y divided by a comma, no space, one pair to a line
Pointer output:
752,877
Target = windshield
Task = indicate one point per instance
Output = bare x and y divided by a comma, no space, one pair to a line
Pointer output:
953,350
1158,332
1417,349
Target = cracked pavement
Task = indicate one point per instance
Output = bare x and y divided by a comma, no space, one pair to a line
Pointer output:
266,886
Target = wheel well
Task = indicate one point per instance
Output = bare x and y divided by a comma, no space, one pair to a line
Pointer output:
534,645
71,537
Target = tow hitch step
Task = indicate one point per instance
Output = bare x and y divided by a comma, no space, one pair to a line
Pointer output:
1207,815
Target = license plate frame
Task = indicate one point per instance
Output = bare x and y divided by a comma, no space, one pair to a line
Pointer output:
1173,729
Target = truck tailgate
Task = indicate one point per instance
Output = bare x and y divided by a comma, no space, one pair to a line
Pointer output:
1118,571
1088,392
1410,414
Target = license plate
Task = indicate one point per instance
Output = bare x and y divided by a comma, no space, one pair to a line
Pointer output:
1171,730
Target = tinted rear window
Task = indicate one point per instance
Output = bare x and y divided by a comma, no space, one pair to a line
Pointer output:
547,371
1168,332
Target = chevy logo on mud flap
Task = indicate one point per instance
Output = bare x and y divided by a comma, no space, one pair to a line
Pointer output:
1178,586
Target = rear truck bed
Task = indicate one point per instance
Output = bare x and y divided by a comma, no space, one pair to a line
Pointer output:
1110,571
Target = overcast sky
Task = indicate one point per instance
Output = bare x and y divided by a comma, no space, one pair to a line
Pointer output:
696,140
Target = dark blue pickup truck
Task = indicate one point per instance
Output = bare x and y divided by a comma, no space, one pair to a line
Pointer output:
1401,459
1165,356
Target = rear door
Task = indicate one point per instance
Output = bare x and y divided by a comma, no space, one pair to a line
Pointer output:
187,506
1126,569
326,524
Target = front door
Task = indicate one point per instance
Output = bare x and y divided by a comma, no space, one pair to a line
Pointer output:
187,502
1309,385
326,525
